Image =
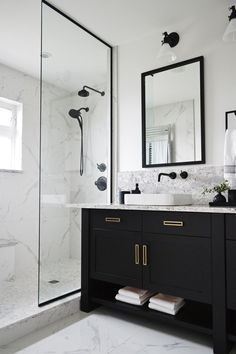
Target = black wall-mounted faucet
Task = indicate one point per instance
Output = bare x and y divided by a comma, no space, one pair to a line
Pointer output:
183,174
172,175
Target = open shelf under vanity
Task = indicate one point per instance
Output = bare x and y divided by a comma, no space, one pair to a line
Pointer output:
193,315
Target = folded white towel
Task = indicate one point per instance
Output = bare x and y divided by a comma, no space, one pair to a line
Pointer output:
164,309
230,157
135,293
131,300
167,301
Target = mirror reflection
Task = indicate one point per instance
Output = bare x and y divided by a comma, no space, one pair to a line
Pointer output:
173,114
75,140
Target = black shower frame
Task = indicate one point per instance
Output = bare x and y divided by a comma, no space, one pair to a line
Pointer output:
40,140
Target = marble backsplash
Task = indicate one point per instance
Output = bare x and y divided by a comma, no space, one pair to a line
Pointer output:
199,177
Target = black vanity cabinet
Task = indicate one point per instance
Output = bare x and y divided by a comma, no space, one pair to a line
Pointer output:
177,253
231,260
115,239
153,251
231,274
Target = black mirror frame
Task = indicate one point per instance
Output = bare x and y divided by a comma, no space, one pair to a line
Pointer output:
227,118
199,59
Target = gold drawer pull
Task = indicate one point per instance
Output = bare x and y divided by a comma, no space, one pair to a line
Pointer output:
173,223
136,253
145,261
110,219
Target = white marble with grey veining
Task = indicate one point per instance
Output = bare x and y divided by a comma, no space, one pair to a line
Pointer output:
19,311
182,208
106,332
199,177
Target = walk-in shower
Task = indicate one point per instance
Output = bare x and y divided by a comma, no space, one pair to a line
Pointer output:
76,113
71,151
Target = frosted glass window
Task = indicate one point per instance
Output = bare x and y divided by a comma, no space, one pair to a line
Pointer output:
10,135
5,117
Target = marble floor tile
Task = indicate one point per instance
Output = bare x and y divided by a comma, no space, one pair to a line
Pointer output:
19,298
106,332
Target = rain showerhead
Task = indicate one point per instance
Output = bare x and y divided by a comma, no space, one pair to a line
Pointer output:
75,113
85,93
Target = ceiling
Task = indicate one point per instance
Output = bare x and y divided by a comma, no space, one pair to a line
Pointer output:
122,21
115,21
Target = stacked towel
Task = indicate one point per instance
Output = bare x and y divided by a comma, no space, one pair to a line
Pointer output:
134,296
166,303
230,157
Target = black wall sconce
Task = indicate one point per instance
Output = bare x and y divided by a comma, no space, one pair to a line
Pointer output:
166,54
230,32
172,39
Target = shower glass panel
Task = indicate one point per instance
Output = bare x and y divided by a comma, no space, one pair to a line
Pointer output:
75,145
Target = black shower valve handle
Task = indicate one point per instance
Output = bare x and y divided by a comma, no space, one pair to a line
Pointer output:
184,174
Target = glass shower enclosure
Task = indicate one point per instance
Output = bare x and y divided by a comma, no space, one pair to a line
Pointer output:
75,161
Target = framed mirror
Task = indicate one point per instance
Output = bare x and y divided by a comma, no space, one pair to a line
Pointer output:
173,114
230,120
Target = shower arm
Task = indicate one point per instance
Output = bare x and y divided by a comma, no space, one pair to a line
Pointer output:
90,88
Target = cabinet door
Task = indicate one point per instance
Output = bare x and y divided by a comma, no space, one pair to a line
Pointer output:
115,256
231,273
179,265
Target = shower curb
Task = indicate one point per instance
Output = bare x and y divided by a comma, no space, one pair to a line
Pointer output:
45,316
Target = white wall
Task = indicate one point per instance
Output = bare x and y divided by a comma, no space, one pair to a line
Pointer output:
198,36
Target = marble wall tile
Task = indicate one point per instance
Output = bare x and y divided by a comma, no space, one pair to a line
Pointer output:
200,176
19,191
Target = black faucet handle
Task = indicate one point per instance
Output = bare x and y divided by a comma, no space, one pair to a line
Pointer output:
184,174
173,175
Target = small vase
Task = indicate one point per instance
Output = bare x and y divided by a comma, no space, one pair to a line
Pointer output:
219,198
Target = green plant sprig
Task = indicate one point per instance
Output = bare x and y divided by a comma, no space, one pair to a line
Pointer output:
219,188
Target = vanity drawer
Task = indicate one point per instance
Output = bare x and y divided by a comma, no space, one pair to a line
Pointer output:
116,219
231,226
177,223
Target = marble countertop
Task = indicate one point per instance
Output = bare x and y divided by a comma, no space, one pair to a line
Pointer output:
185,208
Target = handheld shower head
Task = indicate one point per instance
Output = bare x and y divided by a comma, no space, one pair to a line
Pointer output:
75,113
85,93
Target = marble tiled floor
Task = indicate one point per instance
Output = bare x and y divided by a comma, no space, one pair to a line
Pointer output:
19,298
106,332
67,272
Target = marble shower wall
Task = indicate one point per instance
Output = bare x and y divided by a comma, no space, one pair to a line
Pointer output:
19,191
200,176
55,182
61,180
96,151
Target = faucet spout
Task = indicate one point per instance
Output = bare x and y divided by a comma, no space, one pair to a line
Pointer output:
171,175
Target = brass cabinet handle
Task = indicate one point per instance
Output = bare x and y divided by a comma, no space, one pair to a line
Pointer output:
145,255
136,253
110,219
173,223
